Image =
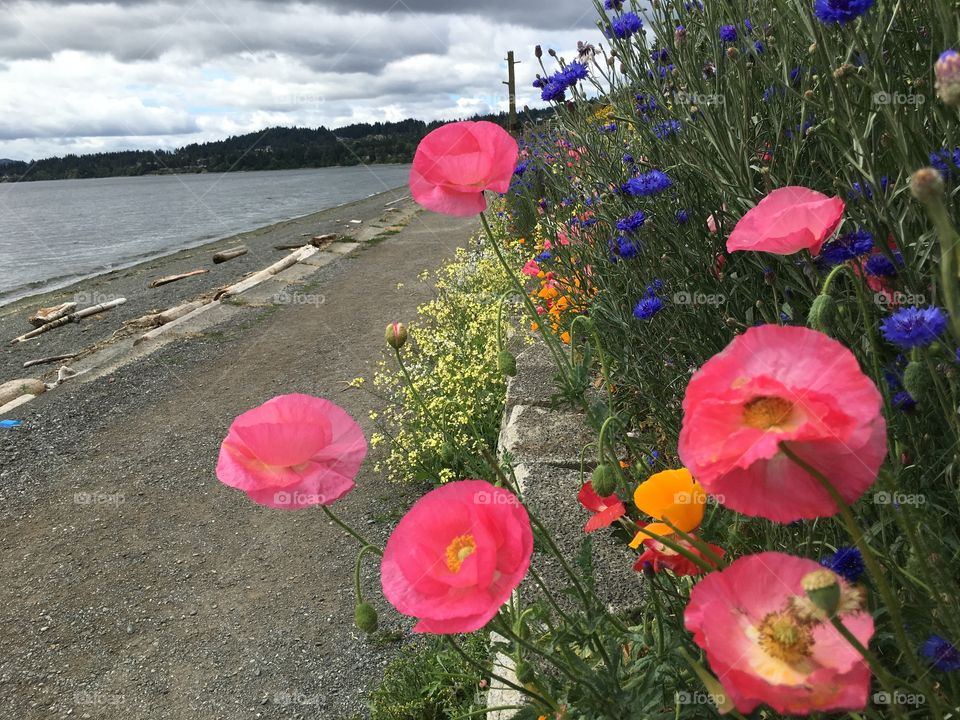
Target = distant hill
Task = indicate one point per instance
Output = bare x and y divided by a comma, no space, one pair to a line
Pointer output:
276,148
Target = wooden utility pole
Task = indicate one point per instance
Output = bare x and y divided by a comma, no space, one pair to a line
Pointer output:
511,84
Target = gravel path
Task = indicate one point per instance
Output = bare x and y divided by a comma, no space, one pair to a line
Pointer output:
135,585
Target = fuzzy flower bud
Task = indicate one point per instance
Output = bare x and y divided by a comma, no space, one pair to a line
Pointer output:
365,617
926,185
948,78
507,363
823,590
604,480
916,379
396,335
823,314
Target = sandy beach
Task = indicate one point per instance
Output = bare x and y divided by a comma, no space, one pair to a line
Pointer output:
138,586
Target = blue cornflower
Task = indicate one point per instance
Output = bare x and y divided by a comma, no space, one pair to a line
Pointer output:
574,72
728,33
613,5
847,562
796,74
630,225
758,47
626,247
647,184
648,307
847,247
553,90
683,217
522,168
646,105
904,401
942,653
880,266
666,128
655,287
544,256
747,25
914,327
611,128
660,55
654,456
946,161
840,11
626,25
628,159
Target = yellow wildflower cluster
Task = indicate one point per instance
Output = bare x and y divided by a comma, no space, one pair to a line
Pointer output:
452,358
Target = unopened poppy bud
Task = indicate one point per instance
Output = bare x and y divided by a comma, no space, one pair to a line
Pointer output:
926,185
823,314
538,51
551,52
948,78
916,379
365,617
823,590
733,53
396,335
507,363
604,480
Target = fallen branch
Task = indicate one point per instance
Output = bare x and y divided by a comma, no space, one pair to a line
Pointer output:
224,255
49,314
47,360
173,278
258,277
73,317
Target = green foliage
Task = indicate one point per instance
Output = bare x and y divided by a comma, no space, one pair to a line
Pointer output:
430,681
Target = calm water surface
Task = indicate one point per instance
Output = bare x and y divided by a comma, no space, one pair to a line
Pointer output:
54,233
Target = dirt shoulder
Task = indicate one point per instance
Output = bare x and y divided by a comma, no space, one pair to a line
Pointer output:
135,585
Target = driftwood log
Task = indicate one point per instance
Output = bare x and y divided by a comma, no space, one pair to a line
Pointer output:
48,360
224,255
258,277
72,317
153,320
173,278
49,314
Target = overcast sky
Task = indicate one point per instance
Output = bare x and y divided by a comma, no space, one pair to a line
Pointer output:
91,76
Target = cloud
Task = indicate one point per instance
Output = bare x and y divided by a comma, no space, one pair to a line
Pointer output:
88,77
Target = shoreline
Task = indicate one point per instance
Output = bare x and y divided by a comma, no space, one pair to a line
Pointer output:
73,280
132,282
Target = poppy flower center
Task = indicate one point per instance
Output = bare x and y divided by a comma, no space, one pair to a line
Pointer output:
459,549
767,413
785,636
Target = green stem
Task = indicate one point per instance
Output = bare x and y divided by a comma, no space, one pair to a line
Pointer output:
873,566
356,570
349,530
499,678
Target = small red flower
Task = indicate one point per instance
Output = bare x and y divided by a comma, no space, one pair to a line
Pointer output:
607,510
661,557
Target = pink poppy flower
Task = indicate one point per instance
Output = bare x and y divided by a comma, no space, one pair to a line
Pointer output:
764,647
292,452
531,268
607,510
456,556
455,163
788,220
782,384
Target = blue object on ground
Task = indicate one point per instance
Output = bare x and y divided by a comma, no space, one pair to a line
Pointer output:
10,423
